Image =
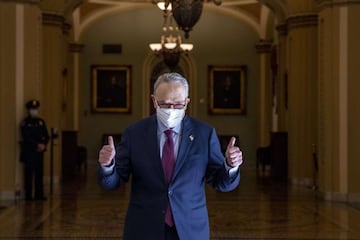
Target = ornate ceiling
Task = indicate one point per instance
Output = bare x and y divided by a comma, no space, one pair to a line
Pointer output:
257,13
251,8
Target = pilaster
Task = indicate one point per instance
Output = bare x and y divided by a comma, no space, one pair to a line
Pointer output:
75,50
339,131
55,78
263,48
20,80
8,124
281,87
302,93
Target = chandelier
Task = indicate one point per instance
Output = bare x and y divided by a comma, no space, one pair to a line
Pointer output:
171,45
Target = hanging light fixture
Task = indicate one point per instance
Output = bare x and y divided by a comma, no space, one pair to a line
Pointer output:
171,45
186,12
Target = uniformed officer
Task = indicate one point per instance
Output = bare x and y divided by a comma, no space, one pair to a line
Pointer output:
35,137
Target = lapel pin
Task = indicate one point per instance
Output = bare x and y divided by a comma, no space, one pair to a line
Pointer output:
191,137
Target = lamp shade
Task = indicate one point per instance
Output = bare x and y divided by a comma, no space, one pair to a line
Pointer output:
170,45
187,47
155,47
162,6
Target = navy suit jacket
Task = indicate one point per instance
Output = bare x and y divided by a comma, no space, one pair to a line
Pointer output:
199,161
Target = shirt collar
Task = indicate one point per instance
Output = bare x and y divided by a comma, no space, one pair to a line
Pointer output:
162,128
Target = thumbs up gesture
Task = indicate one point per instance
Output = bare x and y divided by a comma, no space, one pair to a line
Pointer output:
107,152
233,154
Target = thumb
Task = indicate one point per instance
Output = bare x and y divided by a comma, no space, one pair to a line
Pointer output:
111,141
231,142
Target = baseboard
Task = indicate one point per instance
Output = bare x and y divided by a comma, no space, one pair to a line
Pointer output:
353,197
340,197
7,195
327,196
302,181
334,196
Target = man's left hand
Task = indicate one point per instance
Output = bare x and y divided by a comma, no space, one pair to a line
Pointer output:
233,154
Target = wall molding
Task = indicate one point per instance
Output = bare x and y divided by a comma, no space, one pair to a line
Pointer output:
282,29
76,47
322,4
302,21
56,20
53,19
297,21
7,195
264,46
37,2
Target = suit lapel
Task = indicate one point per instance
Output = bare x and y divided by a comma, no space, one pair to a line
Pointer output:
187,137
152,145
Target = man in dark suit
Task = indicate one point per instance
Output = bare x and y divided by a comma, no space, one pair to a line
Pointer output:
170,157
35,137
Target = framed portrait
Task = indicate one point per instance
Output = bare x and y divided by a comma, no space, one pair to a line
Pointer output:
227,89
111,87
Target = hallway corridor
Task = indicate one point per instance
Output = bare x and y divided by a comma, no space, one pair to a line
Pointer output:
258,209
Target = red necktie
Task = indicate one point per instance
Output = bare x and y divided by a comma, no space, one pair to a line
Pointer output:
168,159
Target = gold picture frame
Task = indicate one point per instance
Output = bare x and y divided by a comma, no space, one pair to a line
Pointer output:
111,86
227,89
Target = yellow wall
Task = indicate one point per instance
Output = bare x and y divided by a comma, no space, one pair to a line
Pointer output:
353,100
8,124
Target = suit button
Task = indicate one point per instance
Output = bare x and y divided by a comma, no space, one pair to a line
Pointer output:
170,192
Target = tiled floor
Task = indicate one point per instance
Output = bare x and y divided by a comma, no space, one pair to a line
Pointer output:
259,208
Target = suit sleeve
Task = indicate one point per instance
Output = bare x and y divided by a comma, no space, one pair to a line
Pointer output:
216,174
122,169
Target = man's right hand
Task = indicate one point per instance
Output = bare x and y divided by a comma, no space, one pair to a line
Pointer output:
107,153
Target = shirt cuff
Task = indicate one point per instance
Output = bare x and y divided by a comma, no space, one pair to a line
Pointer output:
231,170
109,168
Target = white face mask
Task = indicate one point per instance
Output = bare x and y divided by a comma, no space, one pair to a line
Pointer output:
170,117
34,112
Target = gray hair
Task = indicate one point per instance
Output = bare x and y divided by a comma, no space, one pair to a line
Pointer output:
172,78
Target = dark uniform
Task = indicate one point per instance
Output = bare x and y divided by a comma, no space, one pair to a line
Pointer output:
33,132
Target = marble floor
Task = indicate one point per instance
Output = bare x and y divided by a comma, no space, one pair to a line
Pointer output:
260,208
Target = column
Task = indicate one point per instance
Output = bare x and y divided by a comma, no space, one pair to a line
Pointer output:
302,93
73,86
281,86
263,48
54,80
339,98
20,76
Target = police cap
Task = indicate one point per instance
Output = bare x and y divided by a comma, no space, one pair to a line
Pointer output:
32,104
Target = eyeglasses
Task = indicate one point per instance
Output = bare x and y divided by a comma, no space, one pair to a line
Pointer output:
171,105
